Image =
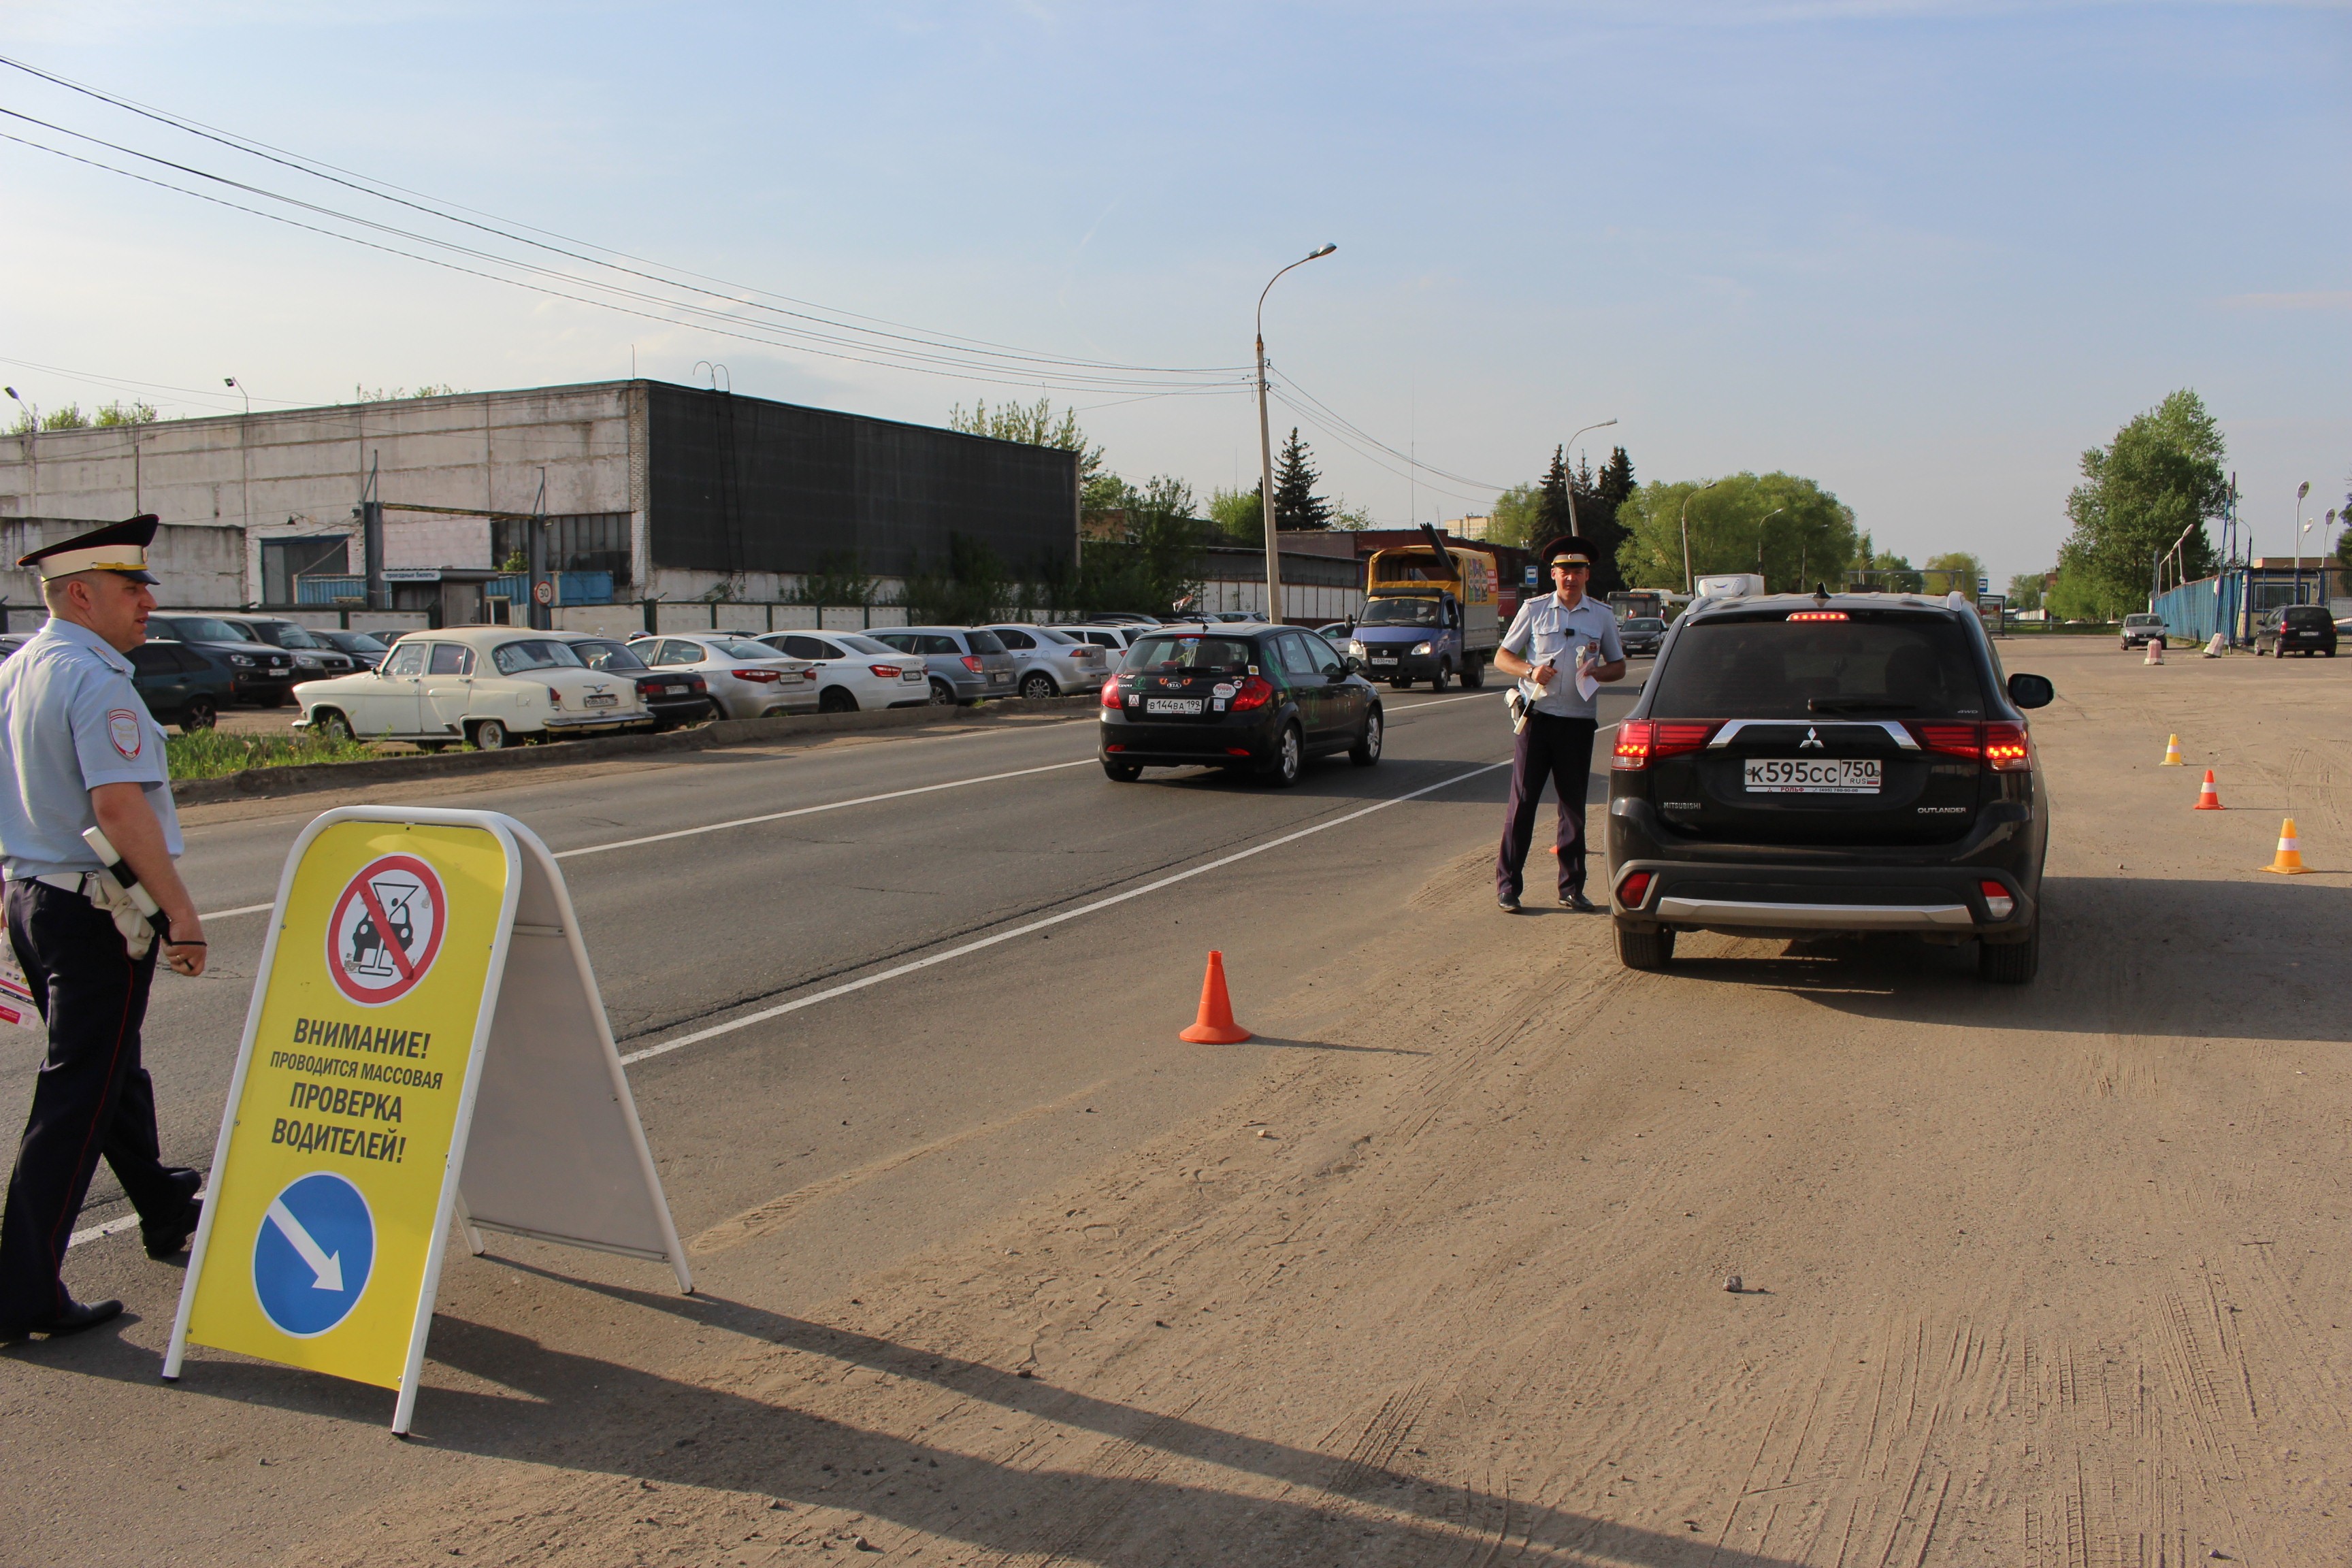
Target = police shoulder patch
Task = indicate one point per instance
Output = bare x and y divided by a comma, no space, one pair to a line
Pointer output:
122,727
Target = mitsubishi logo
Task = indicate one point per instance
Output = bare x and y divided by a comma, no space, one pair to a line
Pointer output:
1814,738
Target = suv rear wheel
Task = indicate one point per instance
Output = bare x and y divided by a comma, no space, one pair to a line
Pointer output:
2011,964
1644,949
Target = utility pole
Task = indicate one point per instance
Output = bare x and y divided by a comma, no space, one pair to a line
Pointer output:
371,510
1266,449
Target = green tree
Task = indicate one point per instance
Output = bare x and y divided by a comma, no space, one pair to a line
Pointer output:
1813,537
1354,519
69,417
1551,499
1515,512
2156,484
119,413
2025,590
1598,501
1153,567
1241,513
1955,570
1036,425
1296,504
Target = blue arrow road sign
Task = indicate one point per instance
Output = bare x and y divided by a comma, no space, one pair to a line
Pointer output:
313,1253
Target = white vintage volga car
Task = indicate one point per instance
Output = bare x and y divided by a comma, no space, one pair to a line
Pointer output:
485,685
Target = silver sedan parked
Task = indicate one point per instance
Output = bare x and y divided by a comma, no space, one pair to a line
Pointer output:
1048,661
747,679
965,663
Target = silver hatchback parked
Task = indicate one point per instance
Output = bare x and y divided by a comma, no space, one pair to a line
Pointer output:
1050,662
964,663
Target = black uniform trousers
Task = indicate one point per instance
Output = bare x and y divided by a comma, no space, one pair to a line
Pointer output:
91,1096
1560,750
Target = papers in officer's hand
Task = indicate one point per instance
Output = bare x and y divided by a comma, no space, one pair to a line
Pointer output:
1585,685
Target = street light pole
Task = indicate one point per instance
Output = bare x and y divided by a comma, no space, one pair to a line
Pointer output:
1572,527
2301,490
1759,541
1266,449
1687,580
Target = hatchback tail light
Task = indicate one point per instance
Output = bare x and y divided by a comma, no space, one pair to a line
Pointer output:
1639,740
1633,888
1111,692
1997,903
887,671
971,662
762,676
1254,692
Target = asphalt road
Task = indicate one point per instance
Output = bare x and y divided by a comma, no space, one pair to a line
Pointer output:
902,850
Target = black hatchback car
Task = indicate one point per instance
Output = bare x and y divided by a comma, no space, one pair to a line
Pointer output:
2305,629
1235,695
1805,767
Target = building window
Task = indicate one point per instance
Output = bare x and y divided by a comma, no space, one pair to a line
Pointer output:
579,542
283,560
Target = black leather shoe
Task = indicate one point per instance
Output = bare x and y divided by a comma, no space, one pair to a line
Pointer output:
72,1319
170,1238
1508,902
1580,904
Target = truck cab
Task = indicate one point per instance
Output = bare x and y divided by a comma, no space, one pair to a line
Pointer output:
1428,615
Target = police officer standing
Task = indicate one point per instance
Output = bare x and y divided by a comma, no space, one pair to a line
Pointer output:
78,749
1553,640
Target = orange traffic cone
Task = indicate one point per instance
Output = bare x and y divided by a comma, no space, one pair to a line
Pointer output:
1215,1025
2209,798
2172,757
2289,862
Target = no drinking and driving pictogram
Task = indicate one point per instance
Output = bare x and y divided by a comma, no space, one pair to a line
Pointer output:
385,930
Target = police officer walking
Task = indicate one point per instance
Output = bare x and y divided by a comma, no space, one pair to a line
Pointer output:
1552,642
78,749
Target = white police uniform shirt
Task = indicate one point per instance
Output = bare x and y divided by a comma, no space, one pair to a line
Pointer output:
70,720
1544,631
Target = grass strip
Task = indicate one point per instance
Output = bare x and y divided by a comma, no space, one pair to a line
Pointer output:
209,754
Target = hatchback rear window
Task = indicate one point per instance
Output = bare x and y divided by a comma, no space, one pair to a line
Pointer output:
1864,667
1206,656
986,642
2309,615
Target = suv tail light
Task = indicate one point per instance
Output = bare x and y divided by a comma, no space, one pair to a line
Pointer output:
1639,740
762,676
2001,748
1633,888
1997,903
971,662
1254,692
1111,692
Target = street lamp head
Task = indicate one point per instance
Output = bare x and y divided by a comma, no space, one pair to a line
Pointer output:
12,392
1327,248
2302,490
228,381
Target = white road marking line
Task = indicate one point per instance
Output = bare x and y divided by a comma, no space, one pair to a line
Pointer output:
744,821
1441,701
829,806
831,992
99,1232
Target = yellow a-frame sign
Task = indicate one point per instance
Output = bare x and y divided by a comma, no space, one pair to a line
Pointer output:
425,1044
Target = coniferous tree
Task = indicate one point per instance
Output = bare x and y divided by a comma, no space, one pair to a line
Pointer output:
1296,504
1552,507
1598,497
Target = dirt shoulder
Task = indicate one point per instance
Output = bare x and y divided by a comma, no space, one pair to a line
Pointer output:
2032,1276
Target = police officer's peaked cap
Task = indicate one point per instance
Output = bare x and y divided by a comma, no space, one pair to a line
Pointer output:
1569,548
118,547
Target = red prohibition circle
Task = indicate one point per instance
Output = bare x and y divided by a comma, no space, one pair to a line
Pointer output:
376,954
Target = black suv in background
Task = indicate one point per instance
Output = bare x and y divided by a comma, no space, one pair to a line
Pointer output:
2305,629
1800,766
264,674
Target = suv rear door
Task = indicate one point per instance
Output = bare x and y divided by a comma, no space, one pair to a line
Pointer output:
1818,727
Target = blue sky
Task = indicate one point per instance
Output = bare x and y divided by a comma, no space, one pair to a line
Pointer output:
1921,253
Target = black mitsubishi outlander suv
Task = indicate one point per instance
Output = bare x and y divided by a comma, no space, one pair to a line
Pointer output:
1810,765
